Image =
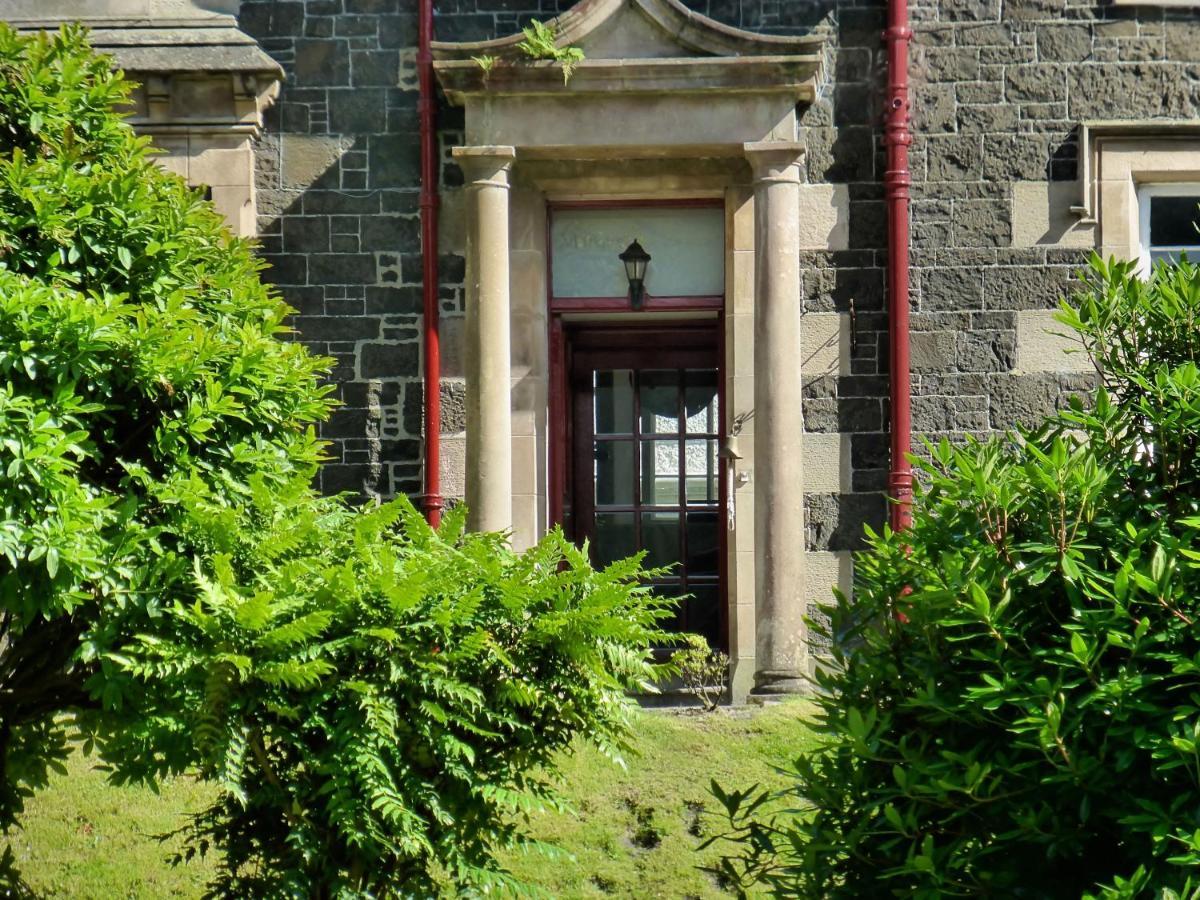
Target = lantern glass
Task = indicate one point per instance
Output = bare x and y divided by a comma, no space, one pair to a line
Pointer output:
635,259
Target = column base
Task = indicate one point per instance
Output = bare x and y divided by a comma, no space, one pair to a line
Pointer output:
770,683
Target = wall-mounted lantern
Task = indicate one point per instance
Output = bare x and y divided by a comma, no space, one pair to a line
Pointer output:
635,259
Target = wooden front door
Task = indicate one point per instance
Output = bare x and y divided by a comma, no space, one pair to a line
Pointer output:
645,471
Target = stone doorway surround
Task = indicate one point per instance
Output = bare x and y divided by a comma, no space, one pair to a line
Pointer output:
667,104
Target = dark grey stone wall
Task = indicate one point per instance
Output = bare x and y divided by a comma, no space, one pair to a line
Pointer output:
999,87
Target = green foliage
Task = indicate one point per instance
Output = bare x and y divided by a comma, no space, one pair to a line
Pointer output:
1013,703
382,703
485,63
375,700
139,354
702,670
542,43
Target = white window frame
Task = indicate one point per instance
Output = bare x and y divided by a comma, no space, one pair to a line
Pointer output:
1145,193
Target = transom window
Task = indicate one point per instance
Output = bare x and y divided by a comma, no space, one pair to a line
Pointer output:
686,243
1169,220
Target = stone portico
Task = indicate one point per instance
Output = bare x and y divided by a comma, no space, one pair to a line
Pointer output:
667,105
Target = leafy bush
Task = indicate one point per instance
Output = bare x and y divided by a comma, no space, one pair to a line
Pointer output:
381,702
139,353
702,670
1013,702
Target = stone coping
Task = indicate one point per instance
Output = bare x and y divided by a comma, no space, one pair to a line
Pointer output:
794,75
209,44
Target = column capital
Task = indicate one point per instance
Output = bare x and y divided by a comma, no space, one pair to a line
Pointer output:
774,160
485,164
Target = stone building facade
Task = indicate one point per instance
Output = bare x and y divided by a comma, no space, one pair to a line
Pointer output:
1038,125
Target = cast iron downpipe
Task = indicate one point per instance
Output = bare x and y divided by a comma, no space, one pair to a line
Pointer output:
896,182
431,498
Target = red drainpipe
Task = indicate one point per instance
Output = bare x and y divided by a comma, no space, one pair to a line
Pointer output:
431,498
896,181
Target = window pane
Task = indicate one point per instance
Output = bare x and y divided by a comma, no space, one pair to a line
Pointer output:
660,538
660,401
614,401
614,473
1174,220
615,537
677,621
686,247
660,473
700,401
702,471
703,543
703,613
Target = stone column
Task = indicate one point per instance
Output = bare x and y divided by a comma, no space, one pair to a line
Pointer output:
487,351
780,649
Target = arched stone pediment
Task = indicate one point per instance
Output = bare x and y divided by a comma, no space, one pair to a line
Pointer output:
607,29
655,75
637,45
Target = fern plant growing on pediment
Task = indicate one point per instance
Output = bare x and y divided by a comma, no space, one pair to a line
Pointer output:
541,42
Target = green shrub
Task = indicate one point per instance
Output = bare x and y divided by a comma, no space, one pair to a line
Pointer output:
139,353
702,670
380,702
1013,702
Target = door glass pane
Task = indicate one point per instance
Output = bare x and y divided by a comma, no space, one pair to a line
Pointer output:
660,473
614,473
701,471
616,537
659,396
700,401
703,613
660,538
686,247
614,401
703,543
678,619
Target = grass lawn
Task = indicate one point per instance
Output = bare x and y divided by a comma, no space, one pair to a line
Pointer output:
633,832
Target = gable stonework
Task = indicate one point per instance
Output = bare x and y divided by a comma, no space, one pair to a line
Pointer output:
997,99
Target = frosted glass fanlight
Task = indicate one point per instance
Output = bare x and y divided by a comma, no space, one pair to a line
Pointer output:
687,245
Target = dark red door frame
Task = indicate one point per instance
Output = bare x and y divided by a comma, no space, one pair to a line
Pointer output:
559,347
564,332
623,344
566,328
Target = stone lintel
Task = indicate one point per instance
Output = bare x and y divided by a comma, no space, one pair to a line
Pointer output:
631,126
